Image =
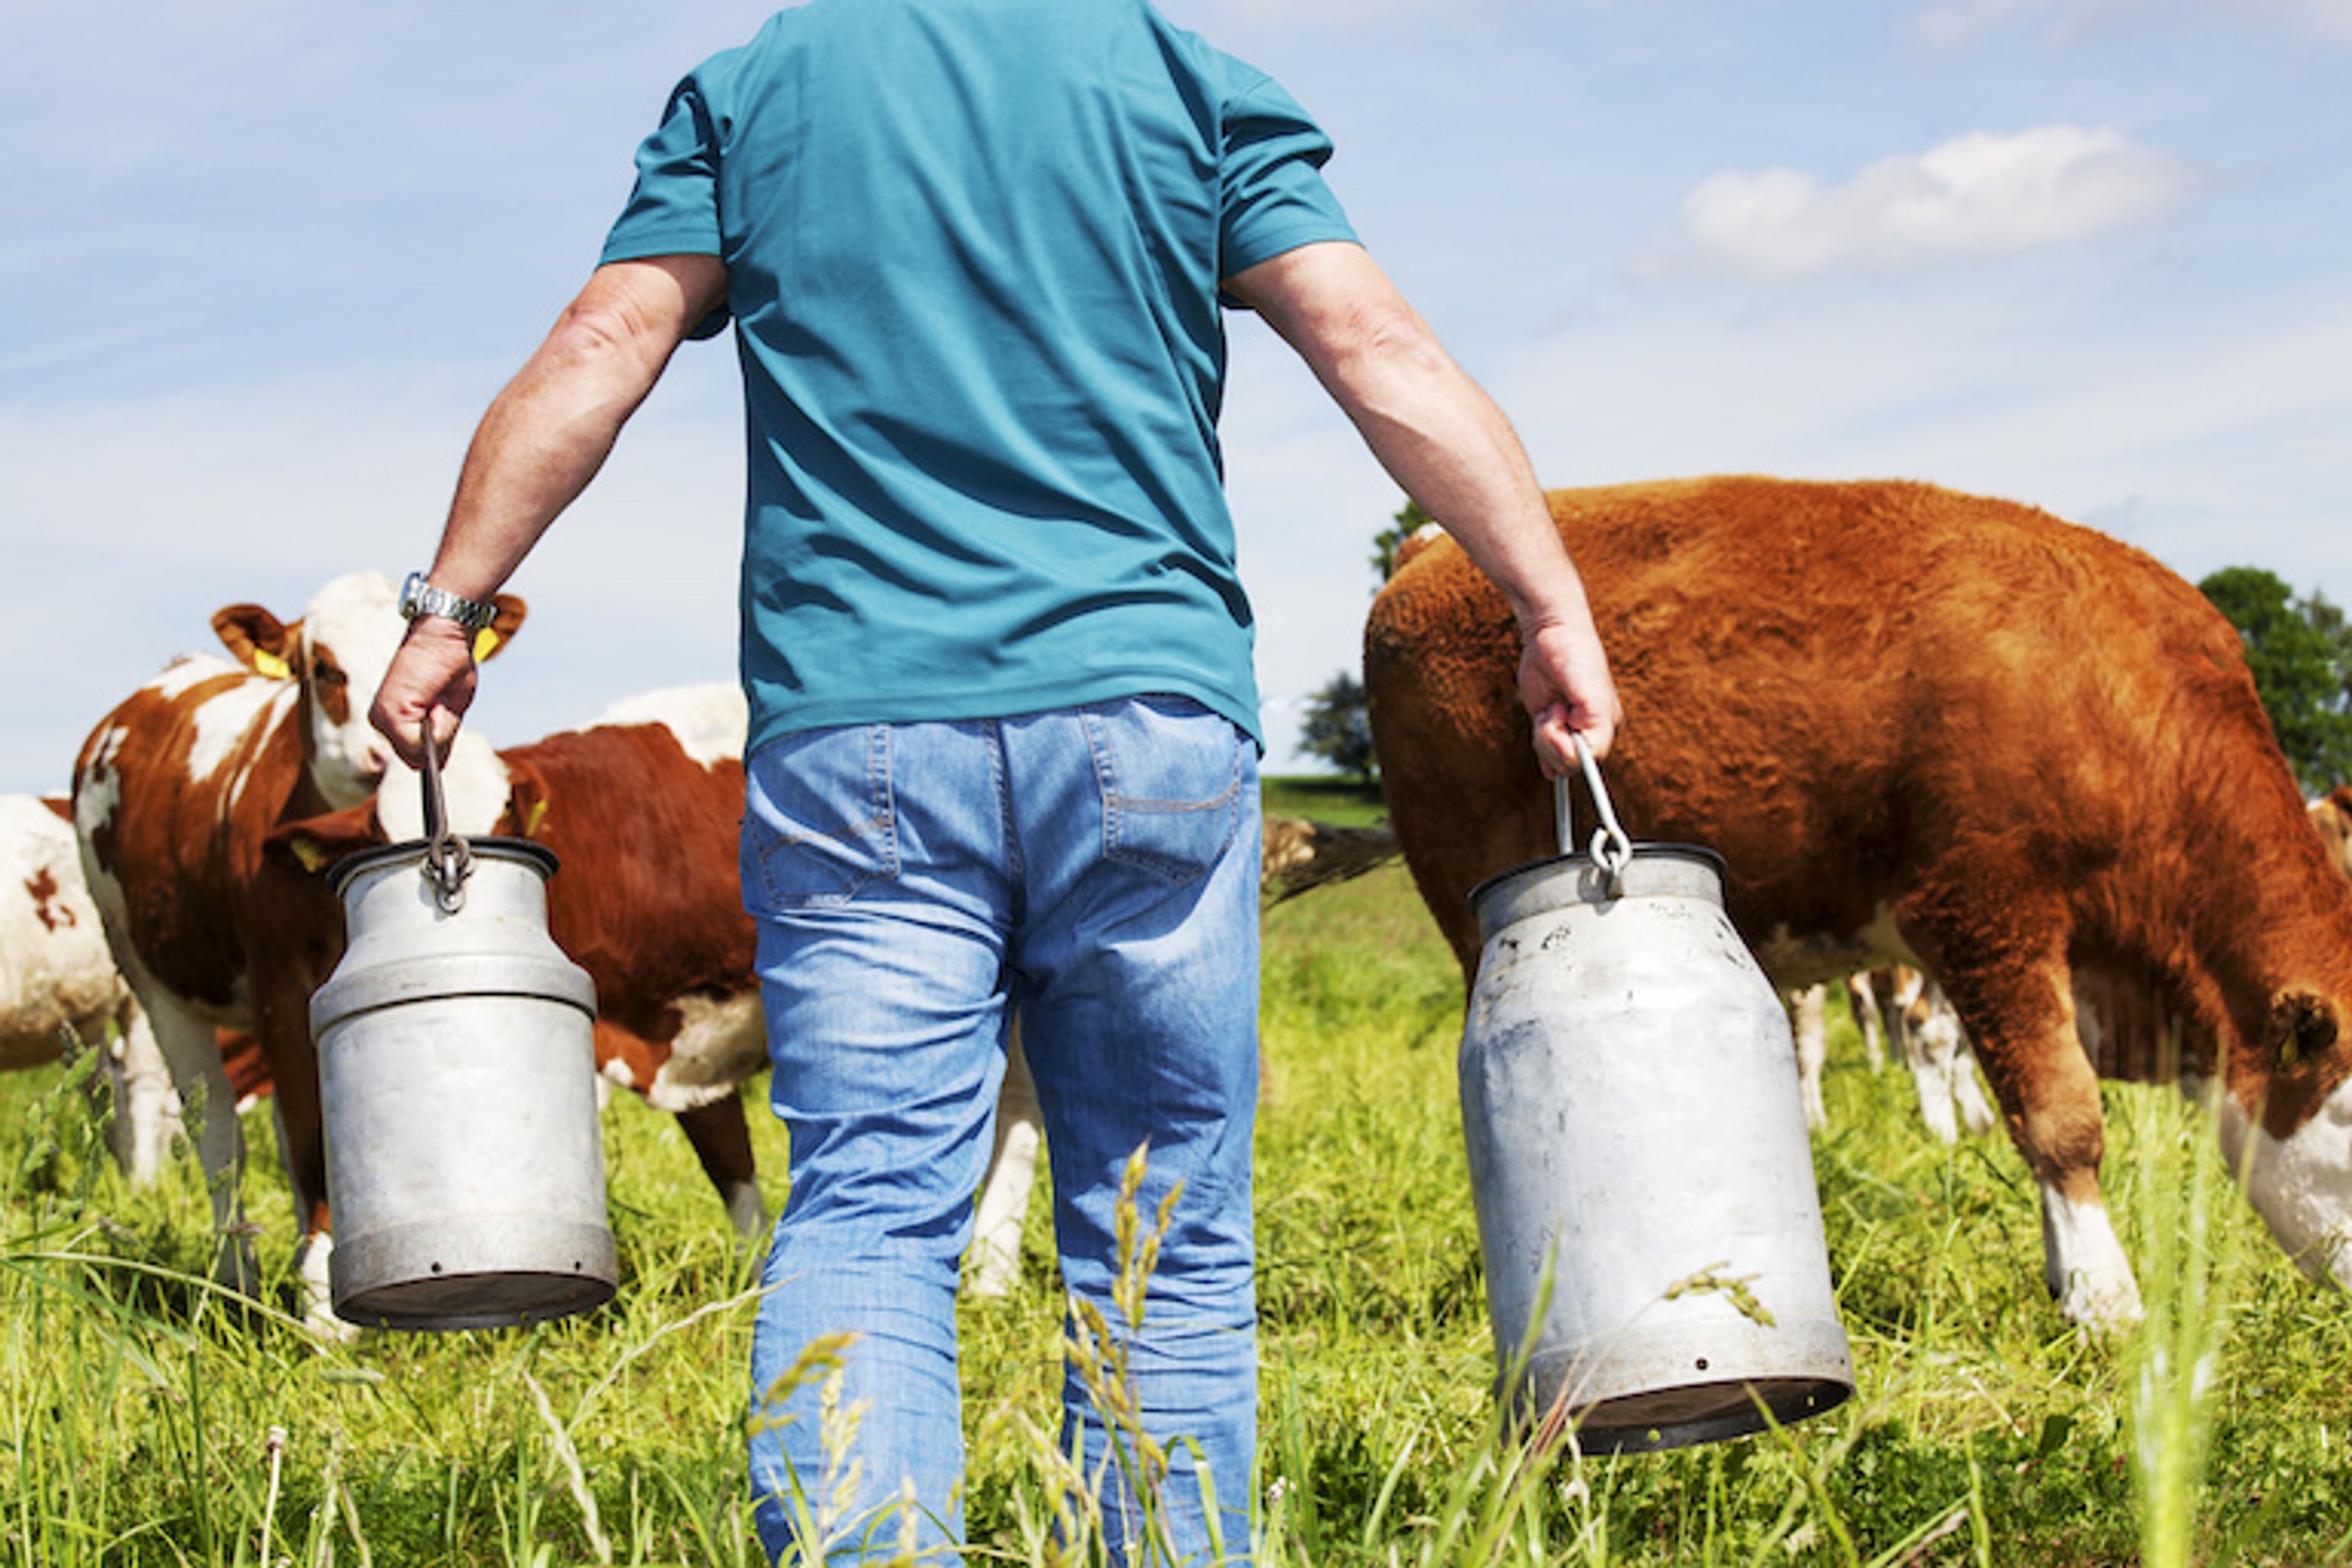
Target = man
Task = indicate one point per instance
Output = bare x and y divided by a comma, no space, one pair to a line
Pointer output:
1004,744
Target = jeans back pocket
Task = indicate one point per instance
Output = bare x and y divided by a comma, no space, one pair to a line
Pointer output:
818,822
1171,775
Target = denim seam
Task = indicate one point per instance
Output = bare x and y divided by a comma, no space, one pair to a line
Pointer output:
1015,870
1106,776
886,804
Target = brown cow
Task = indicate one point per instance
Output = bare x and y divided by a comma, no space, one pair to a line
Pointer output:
2028,759
174,793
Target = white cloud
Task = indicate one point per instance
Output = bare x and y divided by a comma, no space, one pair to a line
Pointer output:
1975,198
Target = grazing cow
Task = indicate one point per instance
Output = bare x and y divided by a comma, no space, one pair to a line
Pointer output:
58,984
2029,761
174,793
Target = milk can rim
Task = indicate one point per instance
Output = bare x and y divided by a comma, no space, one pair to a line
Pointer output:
1641,851
341,875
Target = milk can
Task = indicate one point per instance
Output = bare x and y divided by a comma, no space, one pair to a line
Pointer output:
457,1064
1638,1147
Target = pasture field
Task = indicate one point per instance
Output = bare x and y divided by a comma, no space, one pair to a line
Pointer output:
138,1407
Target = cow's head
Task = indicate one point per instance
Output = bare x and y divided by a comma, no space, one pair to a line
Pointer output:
338,651
476,784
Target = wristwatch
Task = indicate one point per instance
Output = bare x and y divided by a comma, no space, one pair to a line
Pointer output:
418,598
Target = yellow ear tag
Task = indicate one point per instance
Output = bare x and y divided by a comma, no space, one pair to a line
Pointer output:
537,814
484,641
270,665
309,852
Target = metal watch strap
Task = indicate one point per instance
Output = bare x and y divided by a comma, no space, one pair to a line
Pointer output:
419,598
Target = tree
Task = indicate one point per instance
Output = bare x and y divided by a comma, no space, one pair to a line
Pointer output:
2300,651
1387,541
1338,726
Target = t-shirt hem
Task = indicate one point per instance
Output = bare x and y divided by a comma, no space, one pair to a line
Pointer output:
1281,239
639,245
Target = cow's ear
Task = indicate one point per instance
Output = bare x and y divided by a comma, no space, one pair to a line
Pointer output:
315,843
502,627
259,640
2341,796
2301,1024
527,801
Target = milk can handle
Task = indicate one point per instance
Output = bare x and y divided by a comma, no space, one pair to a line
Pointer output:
1612,851
448,860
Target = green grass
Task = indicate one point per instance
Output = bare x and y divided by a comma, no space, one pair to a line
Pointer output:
1343,801
136,1406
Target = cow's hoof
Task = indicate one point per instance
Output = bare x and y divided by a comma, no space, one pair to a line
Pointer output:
2109,1306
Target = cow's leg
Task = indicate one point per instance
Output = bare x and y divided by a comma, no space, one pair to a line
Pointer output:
1943,1068
2007,977
1809,1018
193,1054
281,1027
1977,1114
1861,996
145,1111
722,1142
994,1263
1927,1033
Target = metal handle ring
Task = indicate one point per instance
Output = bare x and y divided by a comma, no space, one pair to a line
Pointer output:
448,859
1611,848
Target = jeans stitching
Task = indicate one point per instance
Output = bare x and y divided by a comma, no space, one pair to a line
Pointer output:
1118,805
1000,773
881,824
886,804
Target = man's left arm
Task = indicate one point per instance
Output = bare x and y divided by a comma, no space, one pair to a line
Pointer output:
543,439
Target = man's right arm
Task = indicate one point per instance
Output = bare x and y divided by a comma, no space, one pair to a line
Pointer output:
541,441
1442,438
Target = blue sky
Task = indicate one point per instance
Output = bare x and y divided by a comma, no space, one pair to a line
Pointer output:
269,259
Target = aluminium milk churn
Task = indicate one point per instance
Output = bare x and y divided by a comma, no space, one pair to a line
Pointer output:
457,1063
1638,1154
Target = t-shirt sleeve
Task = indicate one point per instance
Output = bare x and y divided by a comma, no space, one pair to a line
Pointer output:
674,210
1273,198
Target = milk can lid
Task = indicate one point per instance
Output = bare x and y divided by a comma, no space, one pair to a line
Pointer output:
497,848
1656,870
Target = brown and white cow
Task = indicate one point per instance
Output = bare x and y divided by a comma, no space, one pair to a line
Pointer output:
60,985
174,793
2015,752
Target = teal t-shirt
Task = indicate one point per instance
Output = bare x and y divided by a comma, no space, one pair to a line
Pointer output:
973,250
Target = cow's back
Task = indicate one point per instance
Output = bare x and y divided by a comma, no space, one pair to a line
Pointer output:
1824,682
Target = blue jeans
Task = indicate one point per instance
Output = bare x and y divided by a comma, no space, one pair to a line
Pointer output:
1096,869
